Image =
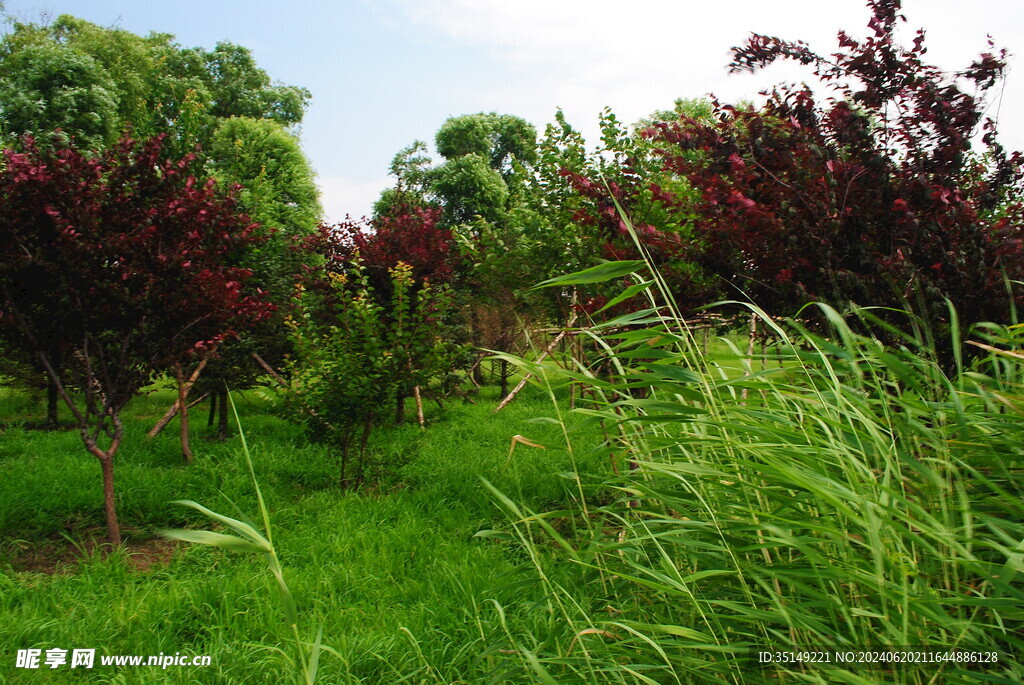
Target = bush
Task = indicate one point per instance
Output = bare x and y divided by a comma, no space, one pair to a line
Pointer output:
356,353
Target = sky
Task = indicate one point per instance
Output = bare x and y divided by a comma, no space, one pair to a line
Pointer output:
384,73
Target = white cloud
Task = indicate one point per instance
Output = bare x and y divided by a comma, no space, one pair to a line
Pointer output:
611,49
582,55
341,196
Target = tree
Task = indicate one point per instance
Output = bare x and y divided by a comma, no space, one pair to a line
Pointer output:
45,88
485,172
411,235
121,260
487,157
71,80
409,242
369,327
501,139
278,185
411,169
483,188
95,83
468,188
875,196
581,194
277,190
238,87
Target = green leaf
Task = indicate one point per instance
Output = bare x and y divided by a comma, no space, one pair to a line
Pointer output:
291,611
596,274
314,656
629,292
680,631
671,372
243,529
493,535
663,407
211,539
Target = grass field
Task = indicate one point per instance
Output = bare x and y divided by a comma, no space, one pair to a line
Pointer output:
695,510
402,588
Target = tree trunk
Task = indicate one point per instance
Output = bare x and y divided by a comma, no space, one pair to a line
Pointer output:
109,507
106,458
52,419
419,406
213,410
503,374
166,419
171,413
222,423
186,451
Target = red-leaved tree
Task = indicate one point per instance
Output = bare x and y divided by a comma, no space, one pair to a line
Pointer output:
407,234
890,191
879,195
121,263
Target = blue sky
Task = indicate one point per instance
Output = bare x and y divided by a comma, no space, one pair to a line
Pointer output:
388,72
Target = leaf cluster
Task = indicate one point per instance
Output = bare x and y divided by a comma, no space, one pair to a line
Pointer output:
93,83
119,261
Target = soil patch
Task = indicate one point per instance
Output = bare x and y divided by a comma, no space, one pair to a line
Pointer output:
65,555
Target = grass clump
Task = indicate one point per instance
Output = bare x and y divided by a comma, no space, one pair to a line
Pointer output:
248,538
848,495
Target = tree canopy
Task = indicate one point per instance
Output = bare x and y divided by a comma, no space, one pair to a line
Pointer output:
72,83
95,83
890,191
278,187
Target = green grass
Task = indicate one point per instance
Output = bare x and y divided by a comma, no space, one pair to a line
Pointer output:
394,573
861,496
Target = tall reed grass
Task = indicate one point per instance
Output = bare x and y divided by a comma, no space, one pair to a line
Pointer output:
845,495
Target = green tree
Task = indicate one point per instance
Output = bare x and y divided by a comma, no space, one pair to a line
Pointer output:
411,167
278,191
356,349
278,184
95,82
484,189
500,138
468,187
44,88
238,87
701,109
488,157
